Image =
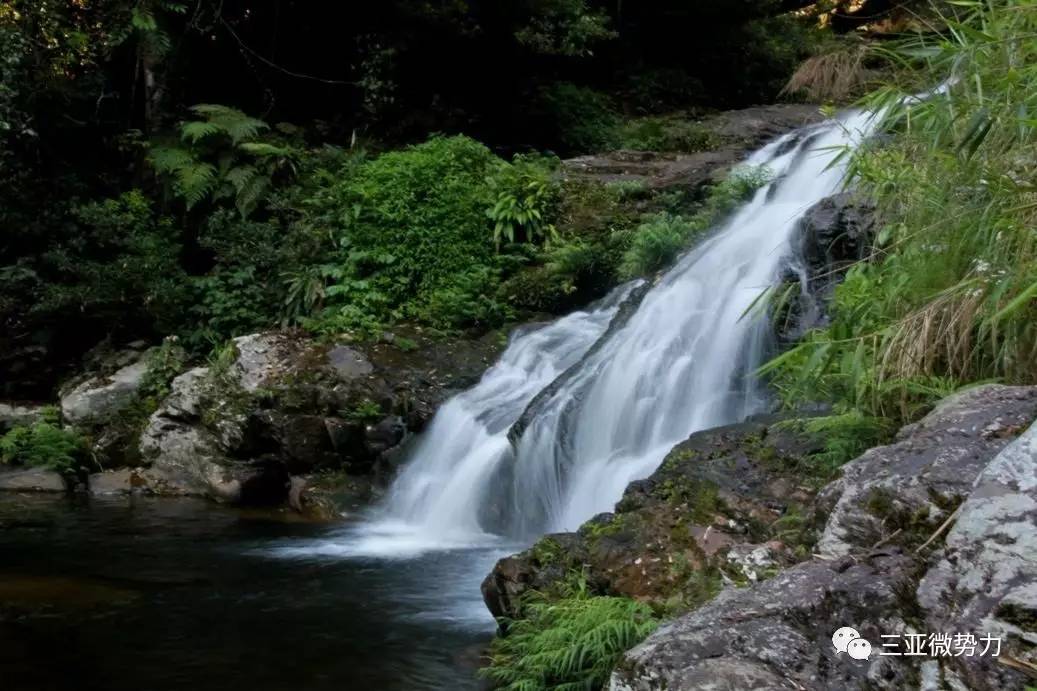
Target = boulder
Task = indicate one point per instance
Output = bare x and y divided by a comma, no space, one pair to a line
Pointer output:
884,568
833,234
912,485
778,634
31,480
986,576
670,536
99,399
15,415
280,405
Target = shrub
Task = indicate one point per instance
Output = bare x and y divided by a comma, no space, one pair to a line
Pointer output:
526,193
569,644
584,120
43,445
656,242
654,245
666,134
121,267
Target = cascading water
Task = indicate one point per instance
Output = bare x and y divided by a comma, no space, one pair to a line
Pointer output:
601,406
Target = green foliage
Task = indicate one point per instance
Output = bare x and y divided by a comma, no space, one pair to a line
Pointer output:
655,243
365,411
947,297
413,238
526,192
122,265
666,134
565,27
583,119
43,445
567,644
164,363
221,156
846,436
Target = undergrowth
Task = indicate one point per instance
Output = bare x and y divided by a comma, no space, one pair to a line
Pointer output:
567,644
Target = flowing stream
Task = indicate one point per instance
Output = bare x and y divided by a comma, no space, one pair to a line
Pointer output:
197,596
603,395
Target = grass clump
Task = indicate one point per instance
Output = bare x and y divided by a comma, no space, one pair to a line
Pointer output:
568,644
948,296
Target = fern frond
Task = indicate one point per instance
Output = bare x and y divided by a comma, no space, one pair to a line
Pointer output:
195,182
197,130
169,159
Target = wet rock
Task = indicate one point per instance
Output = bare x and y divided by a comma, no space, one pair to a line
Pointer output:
668,540
31,480
833,234
913,484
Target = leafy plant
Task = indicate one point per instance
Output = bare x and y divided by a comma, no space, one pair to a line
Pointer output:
43,445
526,193
222,156
568,644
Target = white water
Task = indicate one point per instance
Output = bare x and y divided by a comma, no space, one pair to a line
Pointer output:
681,363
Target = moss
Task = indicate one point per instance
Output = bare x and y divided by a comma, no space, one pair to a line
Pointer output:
701,497
548,552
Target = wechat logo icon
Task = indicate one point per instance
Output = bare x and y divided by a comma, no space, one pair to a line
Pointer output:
848,640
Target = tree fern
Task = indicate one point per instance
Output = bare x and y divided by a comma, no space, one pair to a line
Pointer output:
221,158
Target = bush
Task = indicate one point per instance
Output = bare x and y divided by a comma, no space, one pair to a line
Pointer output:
657,241
122,267
571,643
43,445
666,134
583,119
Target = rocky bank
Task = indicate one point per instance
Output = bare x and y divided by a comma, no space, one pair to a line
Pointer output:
931,534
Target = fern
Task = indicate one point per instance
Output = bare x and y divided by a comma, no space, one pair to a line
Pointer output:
220,159
568,644
195,182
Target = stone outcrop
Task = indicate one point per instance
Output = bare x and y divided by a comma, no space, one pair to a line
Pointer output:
833,234
276,408
99,399
737,131
899,554
31,480
17,415
710,514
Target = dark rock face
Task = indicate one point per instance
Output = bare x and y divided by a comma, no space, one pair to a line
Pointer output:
835,233
703,516
882,567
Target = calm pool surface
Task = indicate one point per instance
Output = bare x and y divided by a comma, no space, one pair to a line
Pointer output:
155,594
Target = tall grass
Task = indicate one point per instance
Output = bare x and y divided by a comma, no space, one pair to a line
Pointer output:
948,296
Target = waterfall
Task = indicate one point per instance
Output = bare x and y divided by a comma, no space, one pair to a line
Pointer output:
601,405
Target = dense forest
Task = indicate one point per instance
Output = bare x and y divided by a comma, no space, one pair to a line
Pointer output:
206,169
180,173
